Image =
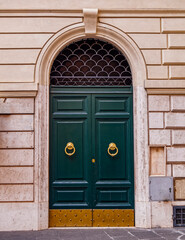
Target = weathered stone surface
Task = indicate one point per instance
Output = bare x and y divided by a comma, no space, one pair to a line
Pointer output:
178,137
174,120
143,214
179,170
16,140
160,137
18,216
16,175
180,189
164,210
158,103
14,193
157,161
16,122
176,154
17,105
16,157
156,120
178,103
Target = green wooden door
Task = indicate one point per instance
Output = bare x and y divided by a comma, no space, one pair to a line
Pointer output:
91,178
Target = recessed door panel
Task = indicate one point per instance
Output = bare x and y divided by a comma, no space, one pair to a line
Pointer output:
71,167
111,131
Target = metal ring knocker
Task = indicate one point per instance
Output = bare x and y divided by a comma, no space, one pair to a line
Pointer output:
112,147
70,146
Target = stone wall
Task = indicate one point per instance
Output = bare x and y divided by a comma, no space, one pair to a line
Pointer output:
167,146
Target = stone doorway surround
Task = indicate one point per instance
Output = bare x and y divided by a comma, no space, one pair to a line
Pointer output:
91,28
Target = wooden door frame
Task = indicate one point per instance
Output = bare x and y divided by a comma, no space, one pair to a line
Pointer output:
141,160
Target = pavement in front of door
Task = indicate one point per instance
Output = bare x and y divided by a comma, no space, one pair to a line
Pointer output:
96,234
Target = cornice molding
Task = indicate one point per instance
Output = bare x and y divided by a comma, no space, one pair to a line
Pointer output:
101,13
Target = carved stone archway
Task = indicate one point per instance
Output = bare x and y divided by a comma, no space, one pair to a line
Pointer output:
42,77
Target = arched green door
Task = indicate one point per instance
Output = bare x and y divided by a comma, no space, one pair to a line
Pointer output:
91,154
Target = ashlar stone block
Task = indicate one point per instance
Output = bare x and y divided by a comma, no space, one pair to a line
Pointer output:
178,103
157,72
16,105
16,157
135,24
155,120
154,41
178,137
16,140
16,122
173,56
160,137
174,120
179,170
16,175
30,40
164,210
173,25
152,56
176,40
158,103
176,154
14,193
177,72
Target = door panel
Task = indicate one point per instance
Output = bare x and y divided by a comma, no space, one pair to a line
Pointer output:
113,177
70,174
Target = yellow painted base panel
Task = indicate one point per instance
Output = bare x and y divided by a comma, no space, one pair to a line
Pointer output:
91,218
70,218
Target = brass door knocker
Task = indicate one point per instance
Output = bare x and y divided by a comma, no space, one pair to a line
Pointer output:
112,147
69,146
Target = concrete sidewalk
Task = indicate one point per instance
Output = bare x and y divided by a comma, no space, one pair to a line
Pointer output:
96,234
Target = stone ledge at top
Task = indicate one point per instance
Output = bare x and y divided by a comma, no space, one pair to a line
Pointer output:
101,4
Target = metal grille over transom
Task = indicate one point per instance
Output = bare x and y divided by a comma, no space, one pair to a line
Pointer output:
90,62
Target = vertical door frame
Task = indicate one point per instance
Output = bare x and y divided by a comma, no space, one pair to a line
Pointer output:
141,160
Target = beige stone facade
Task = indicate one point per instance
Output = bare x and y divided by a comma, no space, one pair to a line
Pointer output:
151,34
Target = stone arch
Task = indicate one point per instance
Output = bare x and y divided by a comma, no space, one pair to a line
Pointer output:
43,66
